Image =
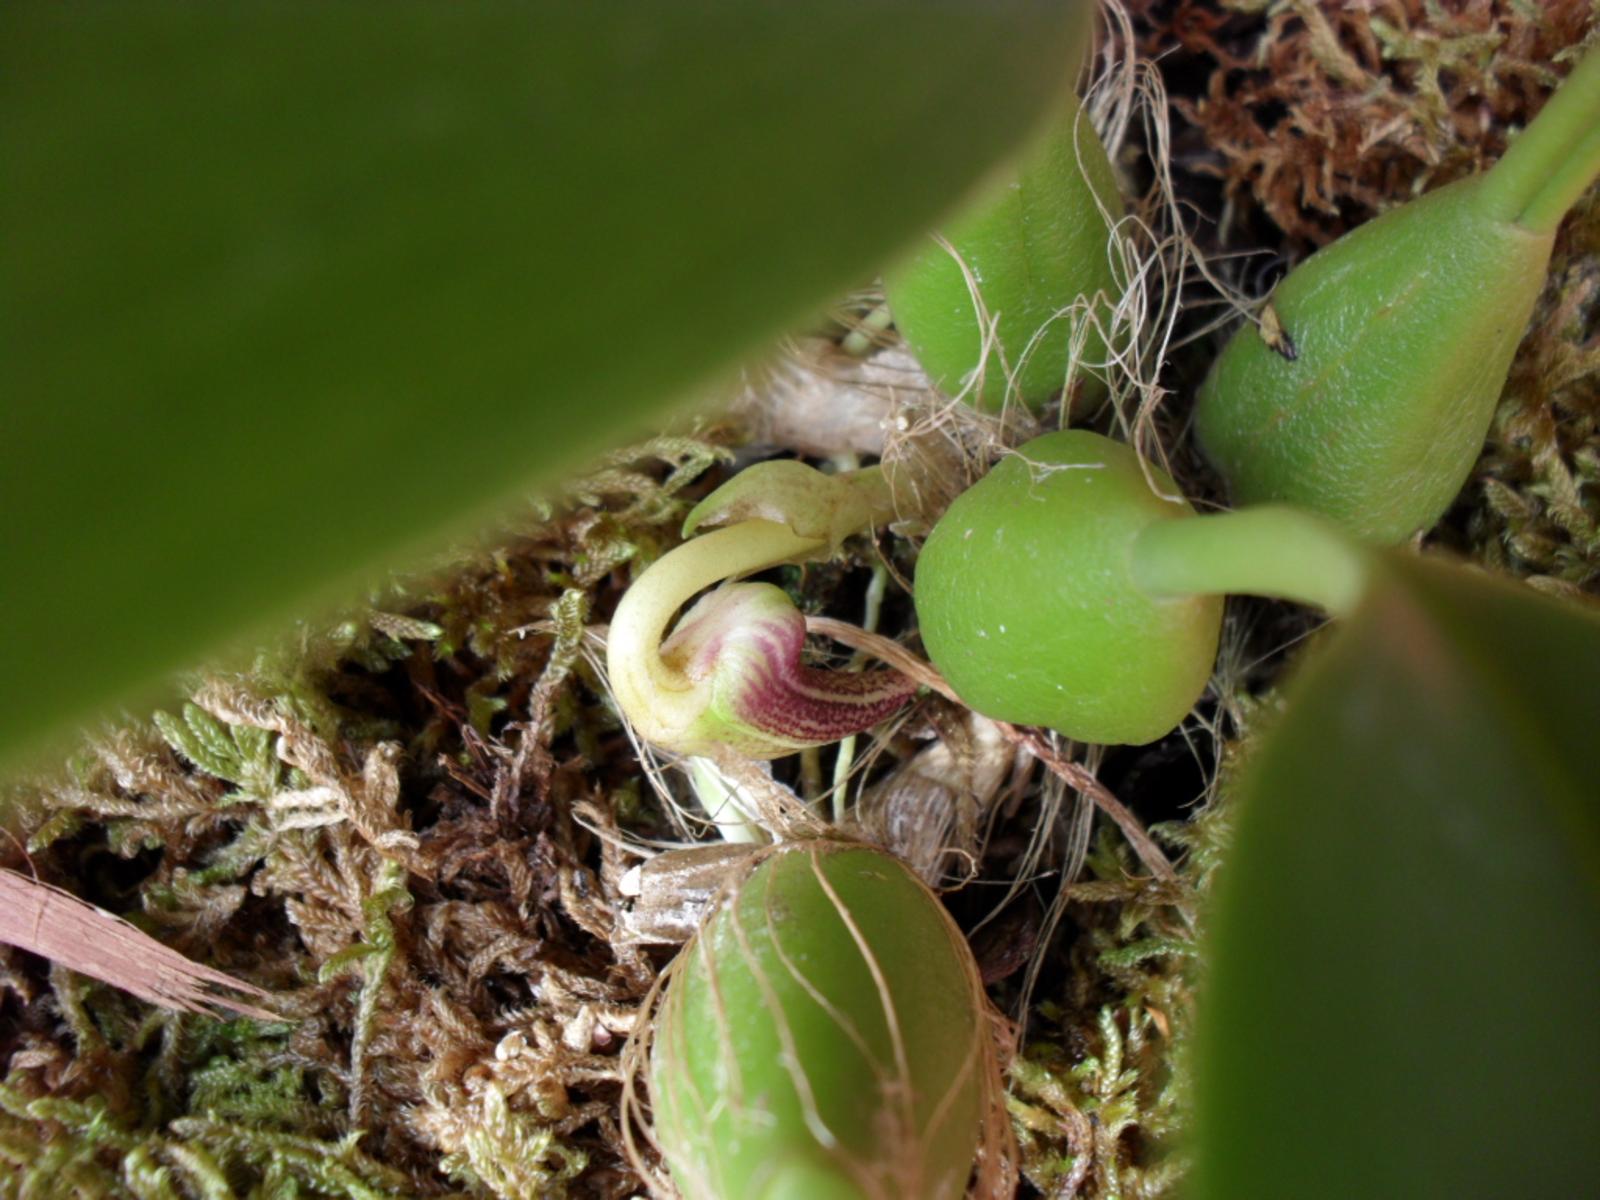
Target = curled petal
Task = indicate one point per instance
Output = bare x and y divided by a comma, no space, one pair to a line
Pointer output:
740,650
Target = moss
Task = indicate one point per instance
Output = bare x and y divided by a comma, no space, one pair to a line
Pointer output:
1533,508
1318,116
1097,1089
64,1147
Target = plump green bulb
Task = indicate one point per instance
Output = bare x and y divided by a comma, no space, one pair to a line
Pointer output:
823,1038
1037,242
1402,333
1028,603
1367,389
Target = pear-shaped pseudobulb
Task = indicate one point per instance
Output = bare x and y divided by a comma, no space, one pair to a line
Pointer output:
1038,244
1028,605
824,1036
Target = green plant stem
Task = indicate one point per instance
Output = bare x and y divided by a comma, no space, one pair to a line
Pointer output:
858,343
810,774
639,676
1267,551
1564,188
847,748
1555,159
722,801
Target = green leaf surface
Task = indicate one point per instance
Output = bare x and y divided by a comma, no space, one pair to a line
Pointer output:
1404,977
294,290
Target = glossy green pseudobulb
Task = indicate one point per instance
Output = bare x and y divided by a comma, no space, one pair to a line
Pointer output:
824,1036
1403,332
1036,243
1029,608
1369,397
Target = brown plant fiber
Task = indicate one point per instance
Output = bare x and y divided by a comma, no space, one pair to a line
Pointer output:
45,920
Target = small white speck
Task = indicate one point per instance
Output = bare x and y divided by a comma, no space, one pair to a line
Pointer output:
1002,626
983,633
966,535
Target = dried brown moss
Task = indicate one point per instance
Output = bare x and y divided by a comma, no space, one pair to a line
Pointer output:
1320,115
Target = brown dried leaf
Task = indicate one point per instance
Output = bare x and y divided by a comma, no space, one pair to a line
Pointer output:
75,934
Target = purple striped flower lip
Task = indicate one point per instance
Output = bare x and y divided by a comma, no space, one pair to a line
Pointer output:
741,649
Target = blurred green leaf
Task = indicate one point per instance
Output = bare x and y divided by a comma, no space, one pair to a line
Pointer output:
1404,977
294,289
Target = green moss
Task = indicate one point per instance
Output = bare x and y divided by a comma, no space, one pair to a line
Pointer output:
1533,508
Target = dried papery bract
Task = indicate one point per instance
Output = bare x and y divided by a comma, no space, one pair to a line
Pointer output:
826,1036
930,809
730,677
1065,590
1367,387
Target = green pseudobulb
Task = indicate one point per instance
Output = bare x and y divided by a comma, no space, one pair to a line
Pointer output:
823,1037
1028,606
1402,333
1369,398
1036,242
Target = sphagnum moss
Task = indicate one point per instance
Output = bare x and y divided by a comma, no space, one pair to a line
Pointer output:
472,1013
